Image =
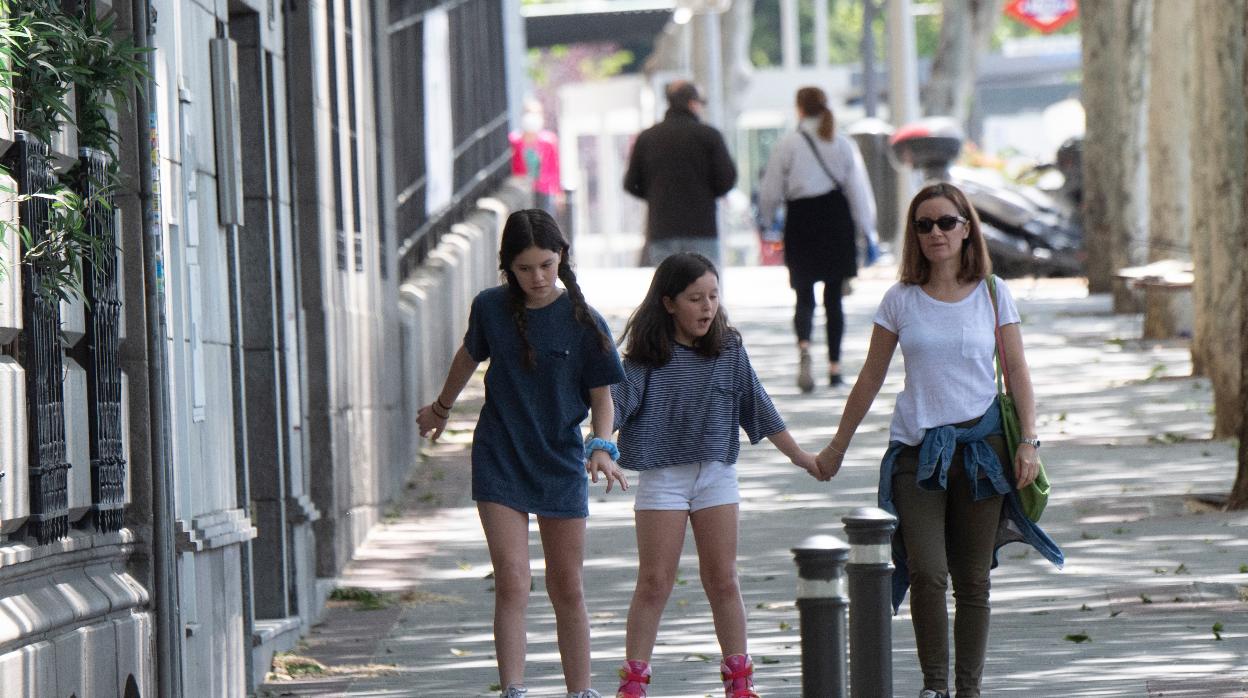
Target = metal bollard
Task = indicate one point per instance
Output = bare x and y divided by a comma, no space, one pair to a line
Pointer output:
821,606
870,571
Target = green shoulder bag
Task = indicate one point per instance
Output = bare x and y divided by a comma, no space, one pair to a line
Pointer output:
1035,496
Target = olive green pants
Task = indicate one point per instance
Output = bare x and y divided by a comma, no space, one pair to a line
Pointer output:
948,536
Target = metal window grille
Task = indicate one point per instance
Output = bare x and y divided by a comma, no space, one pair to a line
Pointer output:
407,47
340,238
40,351
353,132
479,109
108,463
401,9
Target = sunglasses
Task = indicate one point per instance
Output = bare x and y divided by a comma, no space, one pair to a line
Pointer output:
945,223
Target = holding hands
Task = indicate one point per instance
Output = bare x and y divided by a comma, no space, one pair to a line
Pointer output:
829,461
806,461
797,455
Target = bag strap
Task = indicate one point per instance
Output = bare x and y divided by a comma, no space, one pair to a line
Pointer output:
810,141
1002,369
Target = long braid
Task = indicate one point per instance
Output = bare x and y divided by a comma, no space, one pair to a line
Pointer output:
579,307
515,301
536,228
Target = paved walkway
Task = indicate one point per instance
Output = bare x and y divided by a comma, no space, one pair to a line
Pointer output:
1152,601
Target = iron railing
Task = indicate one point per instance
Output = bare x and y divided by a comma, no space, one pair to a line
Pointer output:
478,111
103,339
40,351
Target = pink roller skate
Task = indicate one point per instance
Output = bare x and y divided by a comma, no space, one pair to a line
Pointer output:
737,671
634,679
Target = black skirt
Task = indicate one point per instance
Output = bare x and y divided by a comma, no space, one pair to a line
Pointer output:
819,239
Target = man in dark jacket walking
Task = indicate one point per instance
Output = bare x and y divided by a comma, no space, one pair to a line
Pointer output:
680,166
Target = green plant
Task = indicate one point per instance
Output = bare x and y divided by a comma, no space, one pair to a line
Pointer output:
59,251
40,42
365,599
48,51
108,68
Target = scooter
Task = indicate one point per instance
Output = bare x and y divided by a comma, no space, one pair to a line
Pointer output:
1029,231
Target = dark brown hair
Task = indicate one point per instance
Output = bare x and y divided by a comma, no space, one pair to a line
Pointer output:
648,336
534,227
812,101
976,265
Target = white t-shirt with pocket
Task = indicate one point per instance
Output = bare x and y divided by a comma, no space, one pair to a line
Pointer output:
947,349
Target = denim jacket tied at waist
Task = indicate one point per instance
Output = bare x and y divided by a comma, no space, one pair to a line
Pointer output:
978,457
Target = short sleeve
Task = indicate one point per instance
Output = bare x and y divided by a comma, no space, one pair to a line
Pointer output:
759,417
601,366
627,393
476,341
1007,312
887,314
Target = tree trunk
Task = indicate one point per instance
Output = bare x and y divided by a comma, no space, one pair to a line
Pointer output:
1115,173
1219,139
1167,313
870,88
1238,498
966,28
1239,492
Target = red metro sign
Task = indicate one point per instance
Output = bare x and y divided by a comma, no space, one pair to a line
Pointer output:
1045,15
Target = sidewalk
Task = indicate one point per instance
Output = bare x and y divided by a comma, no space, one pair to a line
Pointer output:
1151,571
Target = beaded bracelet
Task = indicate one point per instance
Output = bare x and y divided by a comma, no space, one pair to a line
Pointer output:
600,444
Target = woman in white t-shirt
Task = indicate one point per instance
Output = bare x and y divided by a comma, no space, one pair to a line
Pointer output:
945,473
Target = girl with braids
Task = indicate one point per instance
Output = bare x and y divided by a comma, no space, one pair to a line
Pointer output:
688,390
552,362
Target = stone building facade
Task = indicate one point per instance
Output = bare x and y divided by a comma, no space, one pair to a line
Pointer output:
314,189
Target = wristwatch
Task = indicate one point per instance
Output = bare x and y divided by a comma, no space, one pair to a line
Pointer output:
1035,442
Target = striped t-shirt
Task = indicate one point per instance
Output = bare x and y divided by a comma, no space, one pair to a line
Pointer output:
692,408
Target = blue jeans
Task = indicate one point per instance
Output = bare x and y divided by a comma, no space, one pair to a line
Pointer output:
656,251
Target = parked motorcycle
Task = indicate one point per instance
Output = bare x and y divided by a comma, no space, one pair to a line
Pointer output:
1029,231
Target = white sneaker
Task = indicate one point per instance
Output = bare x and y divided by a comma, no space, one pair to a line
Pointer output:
805,381
929,693
587,693
514,691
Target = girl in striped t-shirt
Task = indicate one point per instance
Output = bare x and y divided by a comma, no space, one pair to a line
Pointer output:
688,388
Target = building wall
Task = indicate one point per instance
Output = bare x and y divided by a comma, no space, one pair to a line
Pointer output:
74,620
201,247
295,362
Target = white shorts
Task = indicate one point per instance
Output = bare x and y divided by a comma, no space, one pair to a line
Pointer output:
688,487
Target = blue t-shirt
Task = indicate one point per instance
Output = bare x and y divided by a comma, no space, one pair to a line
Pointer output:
527,452
691,409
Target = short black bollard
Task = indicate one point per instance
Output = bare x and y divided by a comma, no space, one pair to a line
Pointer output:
821,606
870,571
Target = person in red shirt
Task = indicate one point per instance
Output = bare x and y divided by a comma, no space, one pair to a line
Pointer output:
535,155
